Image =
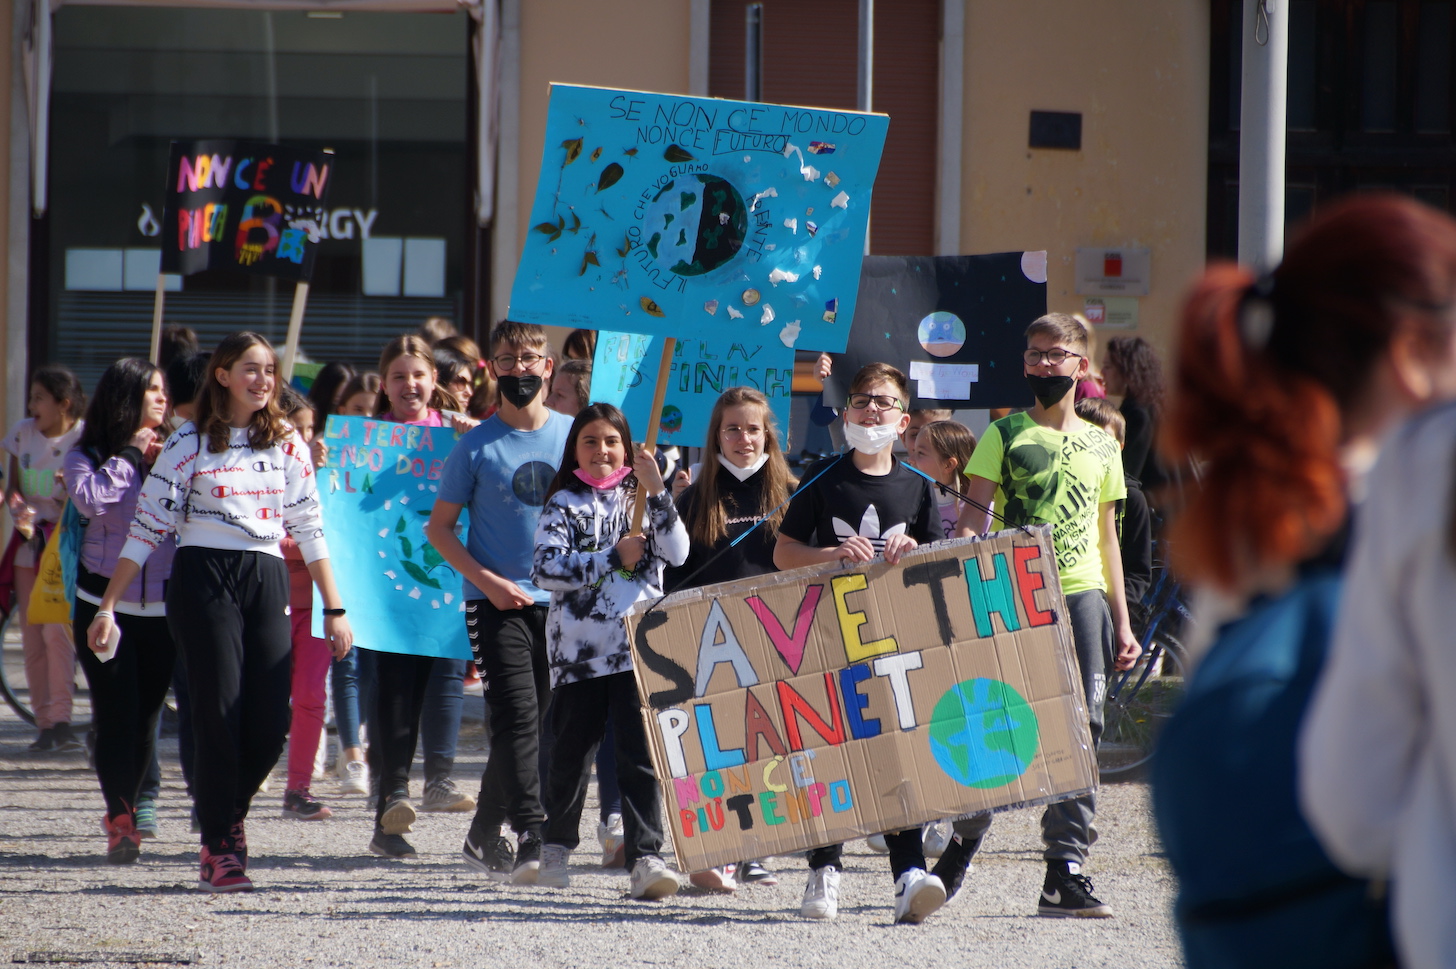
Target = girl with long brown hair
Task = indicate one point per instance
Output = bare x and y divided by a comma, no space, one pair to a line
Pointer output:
229,487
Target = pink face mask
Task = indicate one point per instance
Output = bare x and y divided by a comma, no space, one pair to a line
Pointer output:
609,482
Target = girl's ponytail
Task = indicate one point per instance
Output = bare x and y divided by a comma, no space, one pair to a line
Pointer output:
1268,439
1271,371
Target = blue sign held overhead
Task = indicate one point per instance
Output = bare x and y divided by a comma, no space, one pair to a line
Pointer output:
623,373
690,217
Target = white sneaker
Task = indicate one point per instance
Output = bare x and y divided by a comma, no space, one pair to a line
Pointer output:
355,778
554,872
652,879
877,844
937,836
917,896
821,895
614,842
714,879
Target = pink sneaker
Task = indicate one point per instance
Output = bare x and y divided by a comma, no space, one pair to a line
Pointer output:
222,873
123,844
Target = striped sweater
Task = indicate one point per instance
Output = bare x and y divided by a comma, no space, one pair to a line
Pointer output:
241,499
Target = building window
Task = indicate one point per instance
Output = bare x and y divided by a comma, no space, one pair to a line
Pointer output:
1369,106
907,87
386,92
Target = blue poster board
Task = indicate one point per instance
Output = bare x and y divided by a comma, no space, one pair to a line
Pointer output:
625,369
377,490
690,217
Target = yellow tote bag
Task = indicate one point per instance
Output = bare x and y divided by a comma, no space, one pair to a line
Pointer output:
48,600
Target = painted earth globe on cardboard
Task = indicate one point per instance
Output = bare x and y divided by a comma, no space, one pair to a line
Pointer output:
983,733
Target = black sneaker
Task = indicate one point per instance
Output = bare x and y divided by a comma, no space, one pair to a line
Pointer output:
44,743
66,740
390,845
952,865
304,806
490,854
528,859
1067,893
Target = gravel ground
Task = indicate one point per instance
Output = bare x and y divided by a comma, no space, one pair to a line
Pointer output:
323,900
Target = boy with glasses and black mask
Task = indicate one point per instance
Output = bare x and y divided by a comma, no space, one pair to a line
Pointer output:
866,504
1049,466
500,470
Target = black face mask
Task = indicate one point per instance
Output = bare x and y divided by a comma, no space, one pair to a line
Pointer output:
520,391
1049,390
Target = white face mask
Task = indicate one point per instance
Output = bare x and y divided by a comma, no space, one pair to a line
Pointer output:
743,474
871,440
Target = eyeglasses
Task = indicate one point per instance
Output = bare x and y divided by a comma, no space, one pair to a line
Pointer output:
881,401
508,361
734,430
1056,356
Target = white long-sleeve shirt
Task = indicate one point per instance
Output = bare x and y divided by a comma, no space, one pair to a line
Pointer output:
1378,747
242,499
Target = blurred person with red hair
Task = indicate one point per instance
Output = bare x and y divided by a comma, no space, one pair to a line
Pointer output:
1284,388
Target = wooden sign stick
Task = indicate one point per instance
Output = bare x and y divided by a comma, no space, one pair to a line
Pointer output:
659,393
295,327
157,318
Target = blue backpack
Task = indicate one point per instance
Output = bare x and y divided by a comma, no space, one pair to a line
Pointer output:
1256,889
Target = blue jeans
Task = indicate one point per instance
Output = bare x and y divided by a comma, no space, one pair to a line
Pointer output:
348,677
440,716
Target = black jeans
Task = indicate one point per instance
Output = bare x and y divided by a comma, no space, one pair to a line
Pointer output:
579,714
510,649
227,613
126,698
906,851
394,726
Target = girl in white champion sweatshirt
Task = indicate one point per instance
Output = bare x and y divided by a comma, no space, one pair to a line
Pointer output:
228,487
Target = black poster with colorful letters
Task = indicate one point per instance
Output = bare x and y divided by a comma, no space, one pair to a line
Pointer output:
253,207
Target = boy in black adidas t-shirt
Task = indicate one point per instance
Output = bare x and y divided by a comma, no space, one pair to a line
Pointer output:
866,504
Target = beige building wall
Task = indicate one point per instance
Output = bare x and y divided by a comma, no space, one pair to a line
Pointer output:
1138,73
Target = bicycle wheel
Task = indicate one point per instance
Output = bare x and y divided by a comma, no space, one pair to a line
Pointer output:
12,668
1132,720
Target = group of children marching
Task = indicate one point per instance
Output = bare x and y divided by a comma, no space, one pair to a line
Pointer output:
181,555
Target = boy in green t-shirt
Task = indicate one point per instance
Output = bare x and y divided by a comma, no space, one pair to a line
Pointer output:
1049,466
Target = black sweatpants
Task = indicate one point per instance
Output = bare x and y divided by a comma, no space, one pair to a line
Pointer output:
228,615
126,698
394,726
579,713
906,851
510,649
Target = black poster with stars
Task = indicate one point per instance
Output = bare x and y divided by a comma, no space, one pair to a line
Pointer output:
954,324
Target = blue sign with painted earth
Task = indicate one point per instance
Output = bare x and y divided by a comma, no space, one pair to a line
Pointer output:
693,217
983,733
377,489
624,373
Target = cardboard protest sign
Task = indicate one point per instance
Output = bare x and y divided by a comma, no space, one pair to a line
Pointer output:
685,217
377,491
806,708
955,324
252,207
623,374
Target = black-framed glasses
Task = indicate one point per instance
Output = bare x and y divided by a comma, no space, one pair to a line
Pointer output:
882,401
508,361
1055,356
